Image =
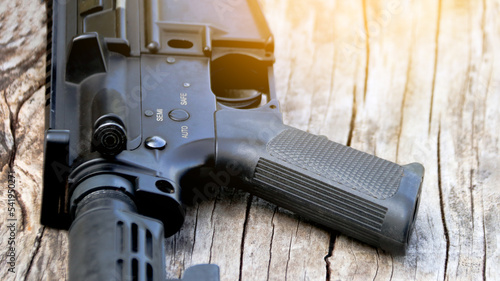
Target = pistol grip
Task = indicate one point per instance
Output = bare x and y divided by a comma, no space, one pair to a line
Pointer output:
358,194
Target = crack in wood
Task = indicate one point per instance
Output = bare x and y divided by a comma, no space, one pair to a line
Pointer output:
352,122
392,267
471,190
271,244
441,202
417,238
331,248
436,53
13,118
12,132
38,243
13,126
195,228
367,38
245,224
213,231
485,245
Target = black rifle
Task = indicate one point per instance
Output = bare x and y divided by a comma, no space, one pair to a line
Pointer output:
146,99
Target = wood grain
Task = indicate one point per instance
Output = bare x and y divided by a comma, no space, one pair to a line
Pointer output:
409,81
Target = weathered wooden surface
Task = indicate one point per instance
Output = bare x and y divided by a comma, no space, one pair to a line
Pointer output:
405,80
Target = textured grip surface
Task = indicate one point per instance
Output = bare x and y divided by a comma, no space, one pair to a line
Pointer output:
320,202
360,171
358,194
361,195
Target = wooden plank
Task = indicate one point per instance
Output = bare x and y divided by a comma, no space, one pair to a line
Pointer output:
22,72
405,80
401,47
465,71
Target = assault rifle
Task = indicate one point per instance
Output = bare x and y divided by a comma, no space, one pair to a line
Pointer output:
145,99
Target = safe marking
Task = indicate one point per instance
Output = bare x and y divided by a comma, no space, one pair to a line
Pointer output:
184,99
